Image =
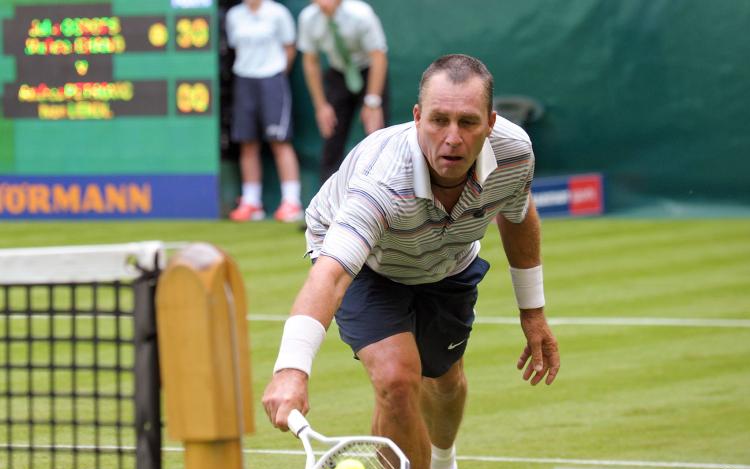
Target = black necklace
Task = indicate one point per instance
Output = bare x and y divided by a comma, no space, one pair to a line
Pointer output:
450,187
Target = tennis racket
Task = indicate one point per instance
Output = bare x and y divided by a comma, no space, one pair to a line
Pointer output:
355,452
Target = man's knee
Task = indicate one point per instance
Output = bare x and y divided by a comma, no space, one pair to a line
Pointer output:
397,390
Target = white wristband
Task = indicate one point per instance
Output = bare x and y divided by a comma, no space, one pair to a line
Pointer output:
528,284
299,343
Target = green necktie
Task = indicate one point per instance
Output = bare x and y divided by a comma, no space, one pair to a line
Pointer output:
352,75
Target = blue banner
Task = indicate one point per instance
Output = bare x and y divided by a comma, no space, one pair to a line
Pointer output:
184,196
581,194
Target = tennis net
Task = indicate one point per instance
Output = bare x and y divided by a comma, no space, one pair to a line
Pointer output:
79,372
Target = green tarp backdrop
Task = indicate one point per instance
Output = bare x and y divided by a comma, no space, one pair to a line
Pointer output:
653,93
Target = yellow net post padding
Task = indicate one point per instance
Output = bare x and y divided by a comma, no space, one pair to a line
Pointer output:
205,356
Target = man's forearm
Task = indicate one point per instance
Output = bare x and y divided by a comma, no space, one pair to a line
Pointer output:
377,73
311,315
313,78
522,241
291,52
323,291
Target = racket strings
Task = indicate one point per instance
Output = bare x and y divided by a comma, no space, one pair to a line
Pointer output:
371,455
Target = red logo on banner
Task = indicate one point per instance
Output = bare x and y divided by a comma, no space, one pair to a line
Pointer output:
586,195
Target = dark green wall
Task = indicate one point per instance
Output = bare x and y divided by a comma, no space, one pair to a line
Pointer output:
654,93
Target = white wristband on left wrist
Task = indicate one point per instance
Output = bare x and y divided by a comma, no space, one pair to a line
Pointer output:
528,285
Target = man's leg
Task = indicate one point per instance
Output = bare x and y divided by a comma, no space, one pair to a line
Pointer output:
344,105
290,209
276,113
286,161
250,166
395,372
251,204
445,314
443,400
244,131
251,169
276,117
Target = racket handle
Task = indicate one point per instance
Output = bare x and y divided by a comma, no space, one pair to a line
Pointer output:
296,422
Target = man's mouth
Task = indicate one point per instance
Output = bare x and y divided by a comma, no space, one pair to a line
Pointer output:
453,157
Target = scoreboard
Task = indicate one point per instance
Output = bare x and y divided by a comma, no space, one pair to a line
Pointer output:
108,109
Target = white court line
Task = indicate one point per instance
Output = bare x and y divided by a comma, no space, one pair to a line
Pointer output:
606,463
498,459
576,467
581,321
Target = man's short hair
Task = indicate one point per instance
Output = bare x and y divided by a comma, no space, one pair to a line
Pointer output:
459,68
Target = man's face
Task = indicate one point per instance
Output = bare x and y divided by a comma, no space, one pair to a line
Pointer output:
328,7
452,124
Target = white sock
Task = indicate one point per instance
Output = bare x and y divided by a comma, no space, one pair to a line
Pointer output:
443,458
251,192
290,192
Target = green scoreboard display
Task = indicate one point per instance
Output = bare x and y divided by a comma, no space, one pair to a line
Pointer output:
108,109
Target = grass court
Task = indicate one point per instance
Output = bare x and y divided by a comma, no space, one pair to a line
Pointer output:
652,316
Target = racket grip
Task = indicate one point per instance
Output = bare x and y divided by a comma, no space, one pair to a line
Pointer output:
296,422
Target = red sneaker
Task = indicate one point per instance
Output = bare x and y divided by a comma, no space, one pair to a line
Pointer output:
289,212
247,212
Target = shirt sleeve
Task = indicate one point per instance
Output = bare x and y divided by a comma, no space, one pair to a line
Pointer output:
515,210
373,37
305,42
229,28
286,27
358,225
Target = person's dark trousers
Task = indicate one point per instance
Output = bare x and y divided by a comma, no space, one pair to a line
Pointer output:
346,106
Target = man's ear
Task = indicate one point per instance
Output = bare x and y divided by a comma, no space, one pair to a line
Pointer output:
417,112
492,119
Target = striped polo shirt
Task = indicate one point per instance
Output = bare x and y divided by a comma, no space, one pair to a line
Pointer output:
379,208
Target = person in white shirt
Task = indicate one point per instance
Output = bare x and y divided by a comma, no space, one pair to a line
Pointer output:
262,34
394,236
349,33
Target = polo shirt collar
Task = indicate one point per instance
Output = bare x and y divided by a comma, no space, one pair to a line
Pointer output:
484,166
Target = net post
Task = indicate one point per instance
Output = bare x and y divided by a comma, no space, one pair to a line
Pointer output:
205,356
146,370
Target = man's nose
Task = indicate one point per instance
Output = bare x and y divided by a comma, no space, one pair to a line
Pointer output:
452,137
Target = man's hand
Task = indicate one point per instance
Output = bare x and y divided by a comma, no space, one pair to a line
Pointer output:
541,347
372,119
286,391
326,119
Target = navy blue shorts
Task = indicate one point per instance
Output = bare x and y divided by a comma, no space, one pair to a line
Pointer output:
262,109
440,314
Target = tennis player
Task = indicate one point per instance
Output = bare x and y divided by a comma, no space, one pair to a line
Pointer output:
394,236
